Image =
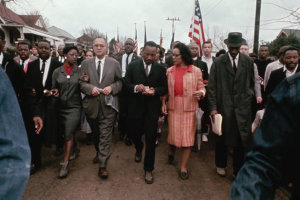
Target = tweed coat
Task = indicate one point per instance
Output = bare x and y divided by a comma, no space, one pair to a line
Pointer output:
231,95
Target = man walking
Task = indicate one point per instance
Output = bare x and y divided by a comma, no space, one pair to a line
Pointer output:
103,78
146,83
124,61
230,93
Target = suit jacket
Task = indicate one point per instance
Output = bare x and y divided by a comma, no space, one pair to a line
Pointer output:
203,66
35,77
231,94
192,81
111,76
134,58
140,105
275,78
18,60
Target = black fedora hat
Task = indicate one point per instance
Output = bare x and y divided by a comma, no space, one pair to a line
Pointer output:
234,39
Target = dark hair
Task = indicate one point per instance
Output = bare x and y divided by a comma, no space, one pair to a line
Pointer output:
263,45
69,48
92,52
207,42
2,34
222,51
43,40
290,48
25,42
150,44
185,52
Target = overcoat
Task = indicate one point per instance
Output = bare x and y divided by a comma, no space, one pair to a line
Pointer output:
231,94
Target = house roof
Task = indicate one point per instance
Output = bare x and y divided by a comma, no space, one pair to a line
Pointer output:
9,15
84,37
288,32
60,32
31,20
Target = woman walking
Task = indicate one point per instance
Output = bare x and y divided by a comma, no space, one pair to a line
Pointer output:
186,88
65,84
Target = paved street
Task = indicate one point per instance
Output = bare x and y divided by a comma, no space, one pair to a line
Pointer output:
126,177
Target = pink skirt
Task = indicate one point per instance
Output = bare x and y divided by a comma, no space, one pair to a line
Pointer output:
182,125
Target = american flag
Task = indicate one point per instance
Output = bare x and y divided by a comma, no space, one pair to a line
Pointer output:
118,43
161,39
196,27
135,43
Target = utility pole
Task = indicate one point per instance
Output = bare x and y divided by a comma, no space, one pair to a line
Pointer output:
256,27
173,29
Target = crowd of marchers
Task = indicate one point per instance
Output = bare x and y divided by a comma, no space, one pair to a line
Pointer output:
59,92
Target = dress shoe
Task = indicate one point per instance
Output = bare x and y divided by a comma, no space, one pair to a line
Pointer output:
170,159
204,138
148,177
138,157
103,173
75,154
64,170
96,159
127,141
184,175
221,171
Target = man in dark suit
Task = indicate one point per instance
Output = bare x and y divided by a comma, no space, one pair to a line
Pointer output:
124,61
145,82
103,78
230,93
203,104
290,59
39,74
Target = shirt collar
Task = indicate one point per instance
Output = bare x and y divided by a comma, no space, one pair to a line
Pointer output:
102,60
236,58
145,64
1,58
47,61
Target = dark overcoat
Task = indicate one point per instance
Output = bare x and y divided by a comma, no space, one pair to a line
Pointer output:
231,94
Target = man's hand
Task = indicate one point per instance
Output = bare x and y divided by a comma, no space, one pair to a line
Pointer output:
95,91
150,92
85,77
140,88
107,90
55,92
259,100
38,124
212,114
164,109
47,93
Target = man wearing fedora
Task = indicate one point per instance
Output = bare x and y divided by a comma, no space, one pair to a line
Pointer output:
230,93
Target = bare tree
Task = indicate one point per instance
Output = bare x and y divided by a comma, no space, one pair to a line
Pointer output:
217,35
88,36
45,19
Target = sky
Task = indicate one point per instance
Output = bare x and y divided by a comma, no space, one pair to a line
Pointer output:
219,16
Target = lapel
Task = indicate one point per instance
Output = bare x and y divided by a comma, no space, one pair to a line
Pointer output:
105,68
142,68
228,65
93,69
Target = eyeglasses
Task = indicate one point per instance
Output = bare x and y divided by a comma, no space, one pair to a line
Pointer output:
176,55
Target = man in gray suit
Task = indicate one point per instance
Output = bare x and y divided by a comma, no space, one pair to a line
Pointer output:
101,76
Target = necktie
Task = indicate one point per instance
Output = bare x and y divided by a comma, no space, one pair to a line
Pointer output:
234,65
99,70
43,68
23,64
127,61
147,70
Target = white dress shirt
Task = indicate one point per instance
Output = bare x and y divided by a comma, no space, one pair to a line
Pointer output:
25,63
288,73
236,60
149,69
102,66
124,57
209,62
47,66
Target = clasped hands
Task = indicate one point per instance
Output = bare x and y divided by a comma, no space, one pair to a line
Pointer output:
198,94
145,90
106,91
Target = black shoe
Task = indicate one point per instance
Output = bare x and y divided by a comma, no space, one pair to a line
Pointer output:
184,175
148,177
59,151
127,141
138,157
170,159
103,173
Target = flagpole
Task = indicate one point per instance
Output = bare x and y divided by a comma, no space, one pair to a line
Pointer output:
145,36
